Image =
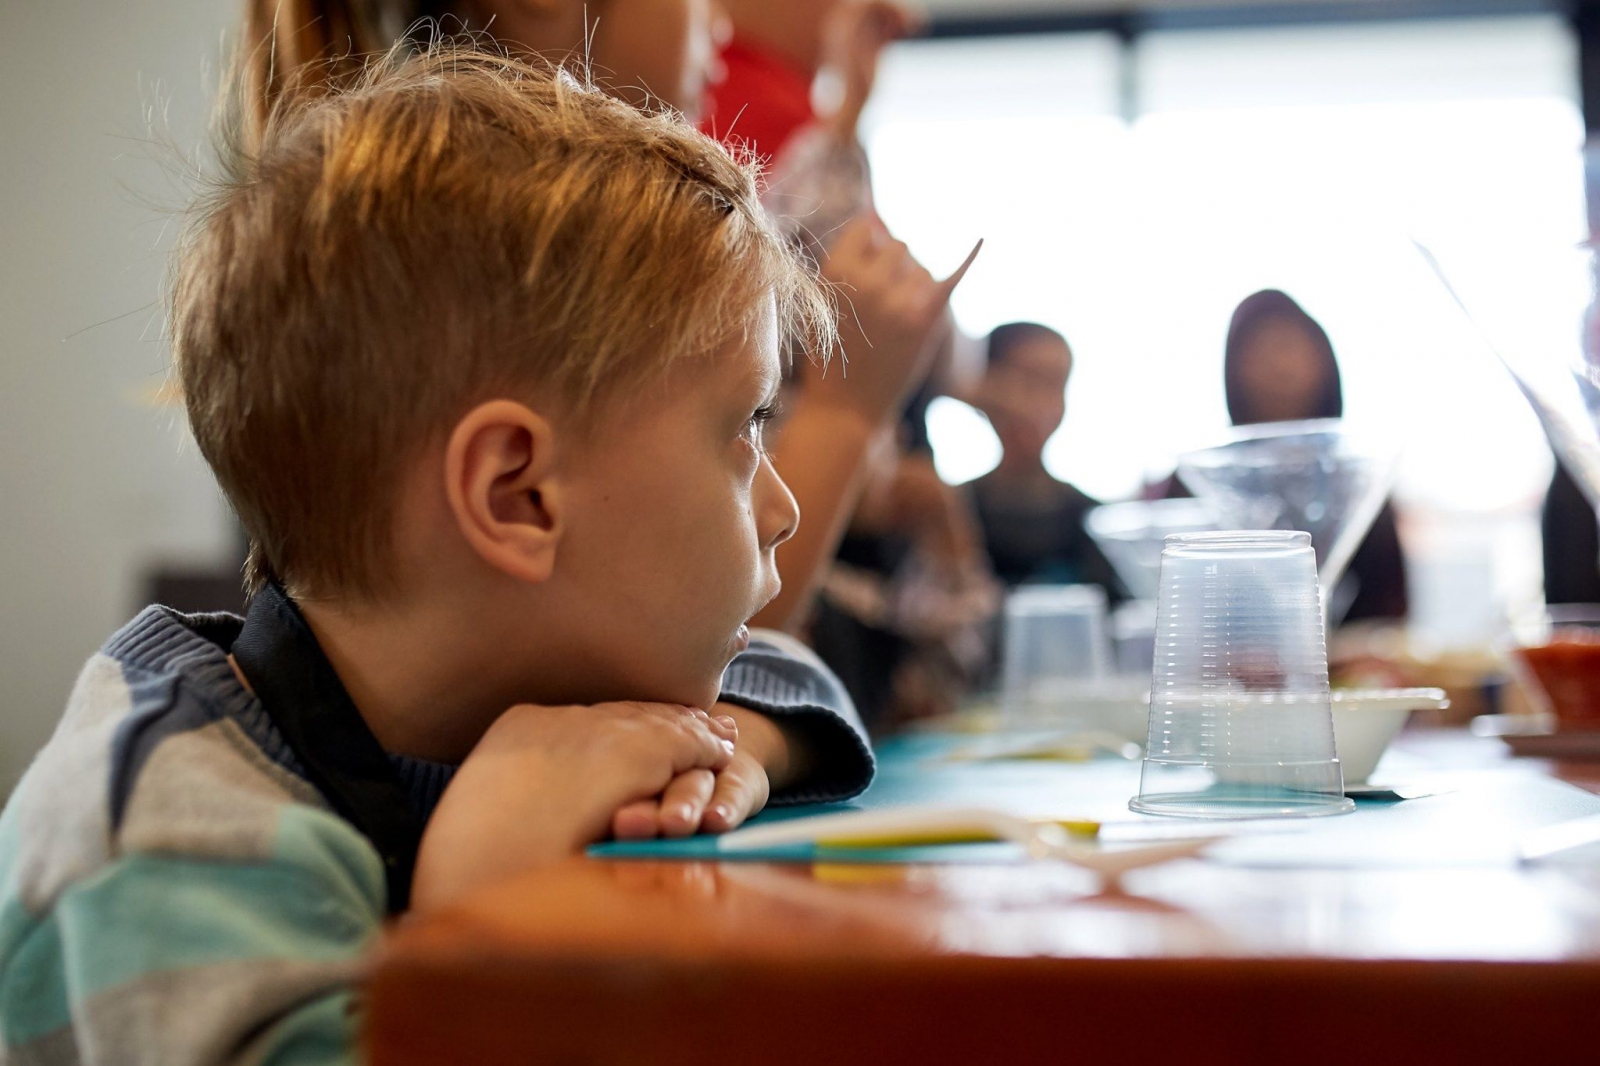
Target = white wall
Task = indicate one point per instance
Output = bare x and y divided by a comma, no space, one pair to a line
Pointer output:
95,483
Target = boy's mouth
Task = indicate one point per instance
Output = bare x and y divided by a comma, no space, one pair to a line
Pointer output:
741,636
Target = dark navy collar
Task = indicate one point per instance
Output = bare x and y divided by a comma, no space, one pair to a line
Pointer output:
310,707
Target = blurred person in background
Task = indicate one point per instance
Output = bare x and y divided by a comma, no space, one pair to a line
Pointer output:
665,53
1279,366
777,61
1571,543
905,588
1032,522
904,610
775,57
651,53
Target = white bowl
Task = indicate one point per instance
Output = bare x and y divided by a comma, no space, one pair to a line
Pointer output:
1115,704
1366,720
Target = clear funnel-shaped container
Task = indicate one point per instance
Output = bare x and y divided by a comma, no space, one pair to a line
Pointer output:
1130,535
1321,477
1535,309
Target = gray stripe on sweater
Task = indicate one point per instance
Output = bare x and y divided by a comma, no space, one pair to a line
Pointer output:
62,813
210,793
180,680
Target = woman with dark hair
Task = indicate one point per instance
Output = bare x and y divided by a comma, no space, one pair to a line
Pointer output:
1279,366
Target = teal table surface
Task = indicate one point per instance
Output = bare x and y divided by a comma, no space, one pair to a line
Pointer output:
1477,816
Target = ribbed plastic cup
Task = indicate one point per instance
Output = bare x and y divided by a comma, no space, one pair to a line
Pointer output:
1054,642
1240,713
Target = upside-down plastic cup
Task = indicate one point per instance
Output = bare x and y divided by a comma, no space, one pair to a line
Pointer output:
1054,642
1240,716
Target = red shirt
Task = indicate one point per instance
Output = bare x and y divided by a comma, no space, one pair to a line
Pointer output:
761,103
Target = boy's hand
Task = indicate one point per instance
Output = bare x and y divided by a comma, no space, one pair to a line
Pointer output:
700,800
890,308
544,781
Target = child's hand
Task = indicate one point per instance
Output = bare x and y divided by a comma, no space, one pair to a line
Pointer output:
700,800
854,39
890,309
544,781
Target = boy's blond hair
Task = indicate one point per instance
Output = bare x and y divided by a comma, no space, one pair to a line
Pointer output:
456,227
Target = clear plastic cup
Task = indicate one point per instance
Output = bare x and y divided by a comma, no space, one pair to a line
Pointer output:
1133,638
1240,717
1054,644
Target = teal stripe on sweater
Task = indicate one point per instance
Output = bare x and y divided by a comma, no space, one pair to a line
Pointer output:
311,838
33,989
146,914
321,901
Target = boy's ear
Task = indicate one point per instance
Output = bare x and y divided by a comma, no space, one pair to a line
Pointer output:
500,480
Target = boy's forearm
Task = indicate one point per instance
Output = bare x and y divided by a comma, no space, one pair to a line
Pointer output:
805,722
781,752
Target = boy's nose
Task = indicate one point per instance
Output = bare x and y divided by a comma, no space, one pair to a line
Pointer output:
777,513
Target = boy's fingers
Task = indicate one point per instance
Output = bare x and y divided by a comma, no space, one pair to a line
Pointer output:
684,801
700,748
722,725
693,738
637,821
738,795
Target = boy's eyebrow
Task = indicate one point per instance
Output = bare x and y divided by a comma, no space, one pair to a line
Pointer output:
770,380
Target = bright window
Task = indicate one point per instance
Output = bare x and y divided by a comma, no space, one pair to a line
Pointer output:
1302,159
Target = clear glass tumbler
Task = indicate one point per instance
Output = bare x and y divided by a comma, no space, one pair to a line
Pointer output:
1240,717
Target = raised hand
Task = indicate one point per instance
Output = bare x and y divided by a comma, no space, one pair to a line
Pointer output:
855,37
890,311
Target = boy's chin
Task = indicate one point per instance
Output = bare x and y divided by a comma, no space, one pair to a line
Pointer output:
703,689
709,692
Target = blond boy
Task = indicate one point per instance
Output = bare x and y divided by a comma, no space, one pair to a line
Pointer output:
482,359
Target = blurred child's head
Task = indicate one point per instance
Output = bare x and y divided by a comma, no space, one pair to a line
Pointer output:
1026,381
645,51
1279,365
473,336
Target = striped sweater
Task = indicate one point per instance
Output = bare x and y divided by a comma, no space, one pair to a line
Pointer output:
174,890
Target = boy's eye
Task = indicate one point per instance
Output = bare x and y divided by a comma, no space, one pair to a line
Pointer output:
758,420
